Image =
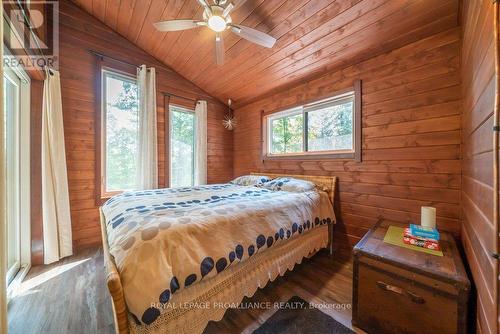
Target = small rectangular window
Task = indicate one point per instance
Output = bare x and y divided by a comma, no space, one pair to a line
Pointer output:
182,146
120,132
327,128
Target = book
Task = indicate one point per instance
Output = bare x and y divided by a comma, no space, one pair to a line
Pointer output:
424,232
410,239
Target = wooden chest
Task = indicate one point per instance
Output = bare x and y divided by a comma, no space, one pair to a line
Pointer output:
399,290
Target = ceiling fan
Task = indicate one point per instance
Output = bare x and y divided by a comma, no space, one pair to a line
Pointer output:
217,17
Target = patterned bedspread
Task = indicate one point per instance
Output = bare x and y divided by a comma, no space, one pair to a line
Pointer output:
168,239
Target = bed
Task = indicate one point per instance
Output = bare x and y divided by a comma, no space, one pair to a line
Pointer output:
177,258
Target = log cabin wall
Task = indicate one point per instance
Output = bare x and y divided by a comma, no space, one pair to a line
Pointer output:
79,33
411,106
36,172
478,82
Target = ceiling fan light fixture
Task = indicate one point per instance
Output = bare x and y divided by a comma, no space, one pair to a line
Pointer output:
217,23
217,17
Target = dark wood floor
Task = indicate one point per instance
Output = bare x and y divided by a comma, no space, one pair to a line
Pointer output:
71,296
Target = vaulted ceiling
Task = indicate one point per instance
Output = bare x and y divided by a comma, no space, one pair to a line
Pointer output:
314,36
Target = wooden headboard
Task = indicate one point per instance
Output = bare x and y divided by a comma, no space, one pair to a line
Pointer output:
326,183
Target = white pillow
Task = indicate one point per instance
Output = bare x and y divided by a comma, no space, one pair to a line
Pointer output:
289,184
250,180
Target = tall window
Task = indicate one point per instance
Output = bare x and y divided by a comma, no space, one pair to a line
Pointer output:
119,132
182,146
11,90
326,127
16,92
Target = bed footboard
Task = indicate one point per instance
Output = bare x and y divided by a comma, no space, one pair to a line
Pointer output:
114,284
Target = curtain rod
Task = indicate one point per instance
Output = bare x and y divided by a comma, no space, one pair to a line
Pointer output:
179,96
102,55
112,58
127,63
27,22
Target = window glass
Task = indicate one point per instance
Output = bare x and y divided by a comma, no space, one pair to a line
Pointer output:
323,127
330,128
121,132
286,134
12,158
182,149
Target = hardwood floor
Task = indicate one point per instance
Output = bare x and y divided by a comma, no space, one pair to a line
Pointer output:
322,280
71,296
68,297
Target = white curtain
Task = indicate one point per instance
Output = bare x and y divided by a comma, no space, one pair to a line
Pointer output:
147,159
200,162
57,240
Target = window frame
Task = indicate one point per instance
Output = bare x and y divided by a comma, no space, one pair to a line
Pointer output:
285,113
23,153
186,110
310,106
120,70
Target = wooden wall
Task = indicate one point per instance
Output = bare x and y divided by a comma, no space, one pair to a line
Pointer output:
411,105
79,33
36,172
478,73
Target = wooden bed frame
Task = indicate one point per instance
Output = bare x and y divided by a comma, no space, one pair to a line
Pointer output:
326,183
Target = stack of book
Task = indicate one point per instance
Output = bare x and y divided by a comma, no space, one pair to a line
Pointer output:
417,235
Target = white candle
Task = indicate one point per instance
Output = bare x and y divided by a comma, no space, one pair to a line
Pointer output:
428,217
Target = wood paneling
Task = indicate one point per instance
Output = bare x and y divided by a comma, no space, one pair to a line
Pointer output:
314,37
411,107
79,33
477,180
36,172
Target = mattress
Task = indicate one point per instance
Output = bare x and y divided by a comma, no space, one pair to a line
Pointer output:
167,240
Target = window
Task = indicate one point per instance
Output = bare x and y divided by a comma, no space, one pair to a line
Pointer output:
16,113
287,132
330,126
119,135
327,128
11,91
182,146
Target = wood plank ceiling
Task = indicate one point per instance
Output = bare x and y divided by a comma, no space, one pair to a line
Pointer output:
314,37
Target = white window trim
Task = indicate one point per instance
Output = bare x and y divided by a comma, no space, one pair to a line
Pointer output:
185,110
105,72
25,177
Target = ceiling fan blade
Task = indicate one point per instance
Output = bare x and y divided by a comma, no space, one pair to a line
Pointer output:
176,25
206,7
238,3
228,9
254,36
204,3
219,49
